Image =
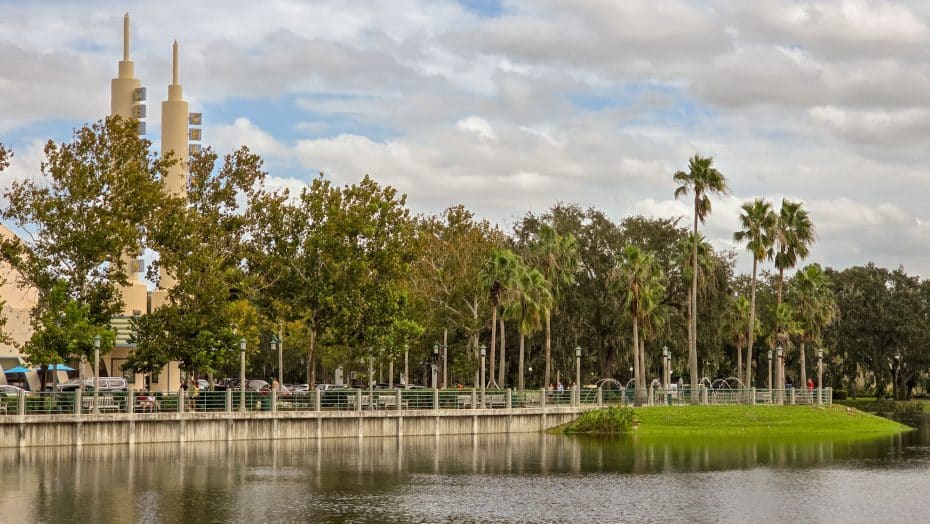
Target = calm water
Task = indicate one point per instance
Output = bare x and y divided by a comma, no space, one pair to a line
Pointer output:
520,478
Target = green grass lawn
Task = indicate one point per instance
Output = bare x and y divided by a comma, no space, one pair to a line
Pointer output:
760,420
873,405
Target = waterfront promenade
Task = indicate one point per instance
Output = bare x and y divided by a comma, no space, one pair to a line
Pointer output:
74,419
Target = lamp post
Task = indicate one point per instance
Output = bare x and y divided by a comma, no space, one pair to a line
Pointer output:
665,379
96,371
578,373
484,351
819,376
780,353
529,371
406,366
242,374
277,346
434,366
445,358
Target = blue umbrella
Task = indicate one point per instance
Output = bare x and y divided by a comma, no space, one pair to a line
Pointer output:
58,367
17,369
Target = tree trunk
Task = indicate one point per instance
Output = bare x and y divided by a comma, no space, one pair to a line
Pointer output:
751,332
636,371
803,359
642,362
739,361
520,371
546,377
503,357
491,381
311,369
692,348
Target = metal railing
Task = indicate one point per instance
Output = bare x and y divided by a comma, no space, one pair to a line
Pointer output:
151,402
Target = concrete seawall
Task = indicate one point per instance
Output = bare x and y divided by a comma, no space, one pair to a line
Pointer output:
73,430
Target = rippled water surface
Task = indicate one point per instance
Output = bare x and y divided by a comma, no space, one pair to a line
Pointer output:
516,478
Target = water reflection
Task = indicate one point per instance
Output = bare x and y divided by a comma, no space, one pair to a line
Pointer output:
532,477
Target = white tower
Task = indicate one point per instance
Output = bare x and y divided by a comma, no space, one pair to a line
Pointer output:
174,131
127,99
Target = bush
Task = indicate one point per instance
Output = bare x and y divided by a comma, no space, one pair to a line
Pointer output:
840,394
606,421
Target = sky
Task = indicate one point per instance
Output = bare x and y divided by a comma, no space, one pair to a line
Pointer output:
509,106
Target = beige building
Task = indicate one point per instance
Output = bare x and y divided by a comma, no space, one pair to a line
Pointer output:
179,128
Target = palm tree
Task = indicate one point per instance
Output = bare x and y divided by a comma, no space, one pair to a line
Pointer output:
737,316
794,235
706,264
498,275
557,257
532,298
815,307
758,223
785,327
702,180
639,279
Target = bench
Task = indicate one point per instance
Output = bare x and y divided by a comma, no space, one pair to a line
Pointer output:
104,403
390,401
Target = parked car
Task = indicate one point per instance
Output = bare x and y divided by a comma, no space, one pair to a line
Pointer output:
69,385
256,384
203,384
12,391
299,389
327,387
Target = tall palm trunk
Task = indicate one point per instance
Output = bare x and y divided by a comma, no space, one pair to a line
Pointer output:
801,356
642,362
520,384
751,332
781,283
692,347
493,342
548,349
636,371
500,368
311,369
739,361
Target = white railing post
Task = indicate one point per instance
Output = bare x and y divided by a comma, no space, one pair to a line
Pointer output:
436,398
229,400
600,397
509,398
358,400
398,398
130,401
752,396
474,398
317,400
274,401
21,403
181,399
542,398
794,396
703,394
78,400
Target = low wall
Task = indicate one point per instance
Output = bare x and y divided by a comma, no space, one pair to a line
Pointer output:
73,430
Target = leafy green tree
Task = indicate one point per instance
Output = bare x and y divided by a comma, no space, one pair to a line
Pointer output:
758,227
701,180
737,317
91,205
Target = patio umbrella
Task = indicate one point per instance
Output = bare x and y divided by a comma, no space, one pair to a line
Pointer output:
17,369
58,367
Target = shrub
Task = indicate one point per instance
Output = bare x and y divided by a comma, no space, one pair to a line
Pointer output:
606,421
840,394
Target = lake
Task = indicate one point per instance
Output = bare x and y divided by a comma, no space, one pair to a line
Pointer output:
499,478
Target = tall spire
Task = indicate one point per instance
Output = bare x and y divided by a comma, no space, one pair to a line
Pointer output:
126,37
174,63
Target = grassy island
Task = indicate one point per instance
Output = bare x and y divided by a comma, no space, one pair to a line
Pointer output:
785,421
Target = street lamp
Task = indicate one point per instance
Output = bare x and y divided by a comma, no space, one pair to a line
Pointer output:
578,371
665,358
433,366
819,376
242,374
96,371
484,351
277,346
